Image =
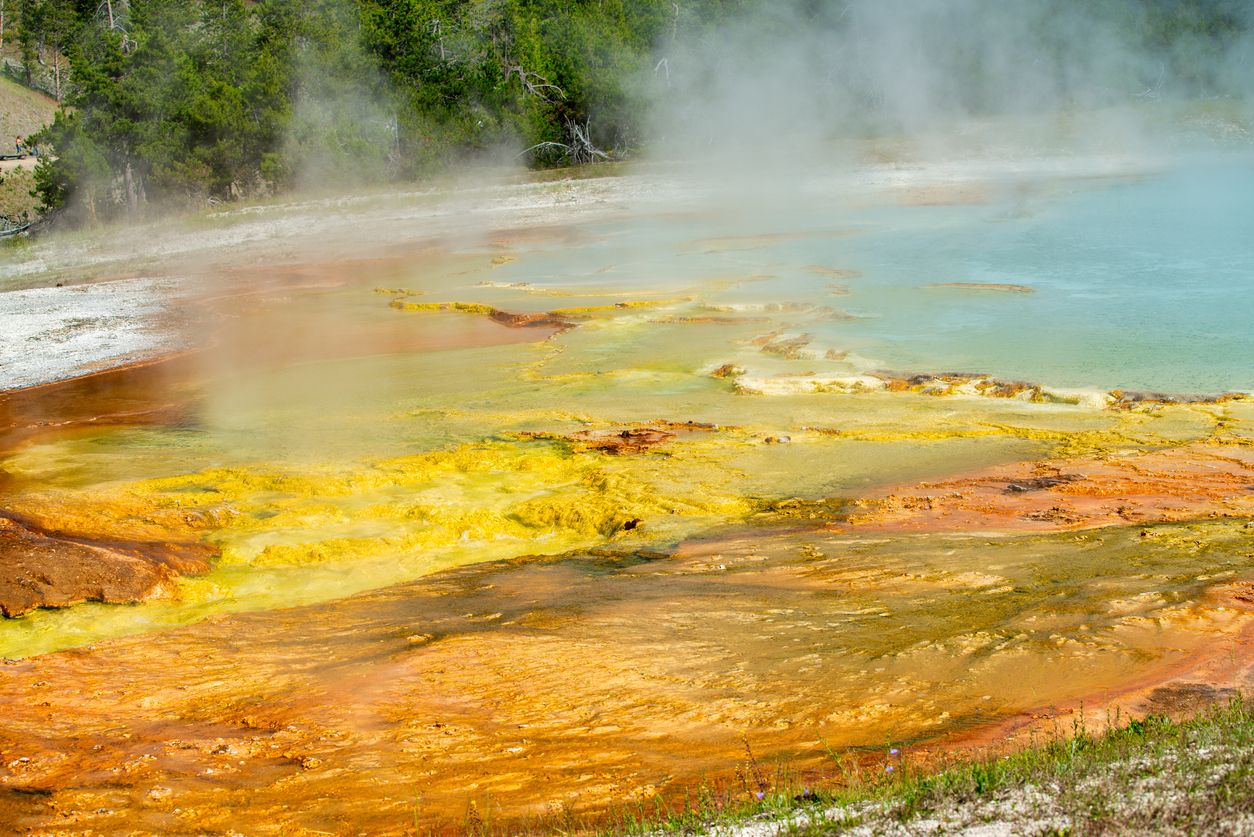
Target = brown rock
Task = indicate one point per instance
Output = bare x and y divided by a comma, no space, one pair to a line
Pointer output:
631,440
623,440
39,568
1054,514
1125,400
788,347
512,320
1040,483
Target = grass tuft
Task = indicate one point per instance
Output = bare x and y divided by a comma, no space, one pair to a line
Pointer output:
1144,776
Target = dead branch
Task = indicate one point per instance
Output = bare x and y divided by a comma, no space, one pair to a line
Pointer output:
534,83
581,148
541,145
112,13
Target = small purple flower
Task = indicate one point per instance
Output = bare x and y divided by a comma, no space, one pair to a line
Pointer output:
888,769
760,794
894,751
805,791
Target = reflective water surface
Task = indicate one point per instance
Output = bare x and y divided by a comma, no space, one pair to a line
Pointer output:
562,514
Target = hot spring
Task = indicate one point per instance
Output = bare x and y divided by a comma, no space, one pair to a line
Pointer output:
566,511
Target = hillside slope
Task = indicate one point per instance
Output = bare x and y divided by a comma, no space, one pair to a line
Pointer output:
22,111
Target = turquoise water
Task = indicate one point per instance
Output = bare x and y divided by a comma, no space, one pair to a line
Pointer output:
1140,283
1147,284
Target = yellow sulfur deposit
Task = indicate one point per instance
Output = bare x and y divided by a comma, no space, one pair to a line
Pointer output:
536,495
627,305
465,307
315,480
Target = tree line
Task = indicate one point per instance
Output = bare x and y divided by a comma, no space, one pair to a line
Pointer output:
198,99
189,100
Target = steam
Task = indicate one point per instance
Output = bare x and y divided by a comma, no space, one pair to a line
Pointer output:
797,80
351,126
343,130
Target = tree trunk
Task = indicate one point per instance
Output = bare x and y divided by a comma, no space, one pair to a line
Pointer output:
132,193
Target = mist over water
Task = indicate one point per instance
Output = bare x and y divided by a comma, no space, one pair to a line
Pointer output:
1098,154
792,84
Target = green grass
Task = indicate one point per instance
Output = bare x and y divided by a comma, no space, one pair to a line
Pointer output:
15,194
22,112
1145,776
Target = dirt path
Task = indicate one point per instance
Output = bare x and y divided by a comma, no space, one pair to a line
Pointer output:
24,163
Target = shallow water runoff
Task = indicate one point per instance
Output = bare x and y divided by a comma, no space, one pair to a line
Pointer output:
564,513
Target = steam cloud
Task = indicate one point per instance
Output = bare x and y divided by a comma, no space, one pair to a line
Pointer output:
796,77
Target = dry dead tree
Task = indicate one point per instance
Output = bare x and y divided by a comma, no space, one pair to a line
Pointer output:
534,83
581,148
112,12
